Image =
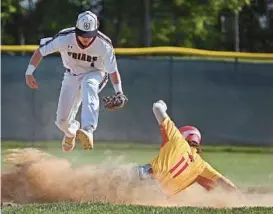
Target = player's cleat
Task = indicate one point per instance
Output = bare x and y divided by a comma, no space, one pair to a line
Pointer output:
144,172
68,144
86,138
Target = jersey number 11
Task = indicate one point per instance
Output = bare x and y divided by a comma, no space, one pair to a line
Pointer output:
179,167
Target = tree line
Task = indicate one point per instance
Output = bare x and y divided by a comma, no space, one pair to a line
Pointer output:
204,24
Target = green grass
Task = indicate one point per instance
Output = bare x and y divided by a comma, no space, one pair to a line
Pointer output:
245,166
101,208
136,145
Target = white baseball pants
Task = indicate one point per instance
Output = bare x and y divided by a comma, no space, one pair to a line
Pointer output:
76,90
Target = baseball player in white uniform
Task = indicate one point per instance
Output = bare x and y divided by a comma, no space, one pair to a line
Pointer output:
88,57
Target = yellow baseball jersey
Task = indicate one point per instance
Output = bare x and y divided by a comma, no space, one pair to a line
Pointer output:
178,165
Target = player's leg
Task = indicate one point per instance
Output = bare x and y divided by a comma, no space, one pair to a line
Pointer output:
73,113
68,143
69,101
92,84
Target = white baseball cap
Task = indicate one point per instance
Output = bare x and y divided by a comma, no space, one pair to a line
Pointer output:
87,25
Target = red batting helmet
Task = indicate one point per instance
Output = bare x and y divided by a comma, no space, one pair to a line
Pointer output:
191,133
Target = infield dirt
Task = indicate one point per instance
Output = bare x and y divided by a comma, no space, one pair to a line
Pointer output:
37,177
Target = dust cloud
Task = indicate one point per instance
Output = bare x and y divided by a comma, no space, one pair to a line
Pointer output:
38,177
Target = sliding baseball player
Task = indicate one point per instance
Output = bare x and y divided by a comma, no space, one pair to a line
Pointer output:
178,164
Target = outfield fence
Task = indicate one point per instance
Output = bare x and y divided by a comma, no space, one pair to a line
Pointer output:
231,102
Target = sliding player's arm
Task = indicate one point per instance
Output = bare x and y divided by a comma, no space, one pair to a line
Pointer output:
211,178
167,127
159,109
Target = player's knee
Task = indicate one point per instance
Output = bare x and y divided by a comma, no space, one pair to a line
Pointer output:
91,83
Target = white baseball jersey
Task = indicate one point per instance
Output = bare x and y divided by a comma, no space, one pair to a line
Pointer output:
99,55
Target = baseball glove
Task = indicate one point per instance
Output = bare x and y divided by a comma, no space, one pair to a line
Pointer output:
115,102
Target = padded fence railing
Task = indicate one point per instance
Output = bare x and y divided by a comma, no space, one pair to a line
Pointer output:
158,50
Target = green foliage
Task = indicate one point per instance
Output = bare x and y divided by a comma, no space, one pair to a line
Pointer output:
236,5
11,11
194,23
8,9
